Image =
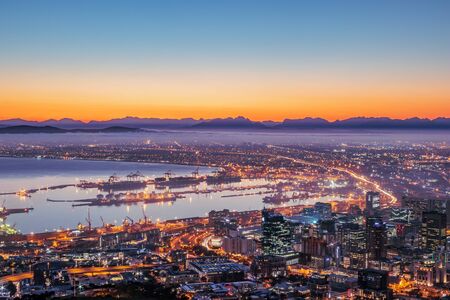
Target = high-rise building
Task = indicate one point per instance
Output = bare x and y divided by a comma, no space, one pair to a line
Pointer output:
373,284
277,234
314,246
419,205
239,245
372,203
214,217
318,285
327,226
433,230
352,236
376,238
51,273
399,214
357,240
323,210
265,266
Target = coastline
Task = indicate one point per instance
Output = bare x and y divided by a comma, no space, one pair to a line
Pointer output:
110,160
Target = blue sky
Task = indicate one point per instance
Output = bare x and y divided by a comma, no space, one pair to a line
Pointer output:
362,38
232,30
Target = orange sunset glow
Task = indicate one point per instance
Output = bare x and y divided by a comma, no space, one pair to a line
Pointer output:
258,97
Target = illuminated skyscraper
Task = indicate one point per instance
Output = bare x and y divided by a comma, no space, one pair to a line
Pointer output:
433,230
376,238
277,233
372,203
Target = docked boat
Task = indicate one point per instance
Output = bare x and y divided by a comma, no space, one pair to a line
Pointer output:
222,177
178,181
127,198
133,181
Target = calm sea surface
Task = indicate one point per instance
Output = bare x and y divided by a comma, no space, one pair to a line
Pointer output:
18,173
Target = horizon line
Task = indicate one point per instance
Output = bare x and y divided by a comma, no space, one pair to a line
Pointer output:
209,119
223,118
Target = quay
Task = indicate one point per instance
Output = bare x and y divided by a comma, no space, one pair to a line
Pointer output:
9,211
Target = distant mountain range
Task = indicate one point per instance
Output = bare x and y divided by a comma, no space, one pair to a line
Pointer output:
128,124
230,123
366,123
131,122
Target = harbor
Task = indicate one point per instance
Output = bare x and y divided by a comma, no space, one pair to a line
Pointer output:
40,179
187,191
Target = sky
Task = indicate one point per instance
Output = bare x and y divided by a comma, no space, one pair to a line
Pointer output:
95,59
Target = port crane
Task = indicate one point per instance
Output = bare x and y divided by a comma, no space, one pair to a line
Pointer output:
106,226
143,213
88,220
131,220
135,176
195,173
113,178
168,174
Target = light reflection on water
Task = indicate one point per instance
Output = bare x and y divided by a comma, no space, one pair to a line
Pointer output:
31,173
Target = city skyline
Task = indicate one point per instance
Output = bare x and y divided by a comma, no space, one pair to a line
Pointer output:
99,60
231,149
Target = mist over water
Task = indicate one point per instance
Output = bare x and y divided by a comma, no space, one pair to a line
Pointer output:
234,137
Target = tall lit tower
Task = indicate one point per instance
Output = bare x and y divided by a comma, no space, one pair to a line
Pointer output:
277,233
376,238
433,230
372,203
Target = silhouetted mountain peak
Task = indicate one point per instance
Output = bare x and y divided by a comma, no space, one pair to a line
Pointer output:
306,121
230,123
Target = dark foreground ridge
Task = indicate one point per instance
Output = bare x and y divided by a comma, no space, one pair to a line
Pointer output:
51,129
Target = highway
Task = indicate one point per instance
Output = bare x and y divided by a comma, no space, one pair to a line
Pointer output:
90,271
349,172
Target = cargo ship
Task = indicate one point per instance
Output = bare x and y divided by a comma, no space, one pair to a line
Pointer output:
84,184
280,198
127,198
178,181
133,181
221,177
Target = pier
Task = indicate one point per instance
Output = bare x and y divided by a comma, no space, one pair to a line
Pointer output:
9,211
